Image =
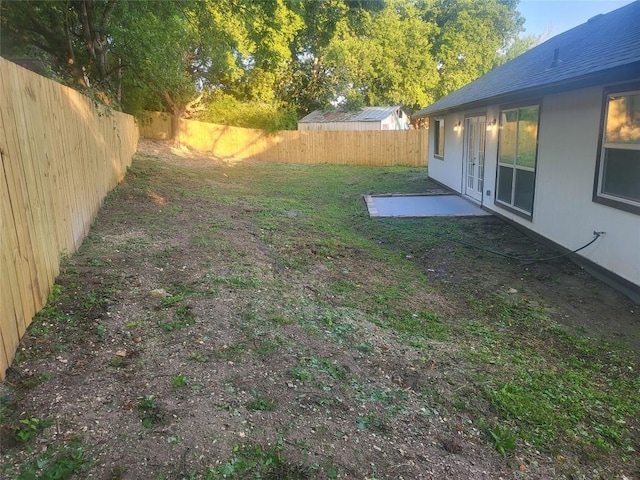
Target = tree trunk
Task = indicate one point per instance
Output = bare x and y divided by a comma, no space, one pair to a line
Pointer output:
177,111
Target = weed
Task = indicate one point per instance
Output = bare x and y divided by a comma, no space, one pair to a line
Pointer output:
326,366
30,428
300,373
198,357
268,346
55,464
101,332
423,324
504,441
179,380
331,471
364,347
150,412
260,403
235,282
373,422
481,330
343,286
281,320
117,362
5,408
254,461
337,329
231,352
568,401
183,317
170,300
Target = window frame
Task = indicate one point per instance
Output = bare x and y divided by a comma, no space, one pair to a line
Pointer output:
537,103
438,145
600,197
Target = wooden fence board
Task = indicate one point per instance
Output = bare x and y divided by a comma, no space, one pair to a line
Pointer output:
363,147
60,156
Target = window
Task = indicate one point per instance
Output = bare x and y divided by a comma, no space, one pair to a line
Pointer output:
618,170
517,159
438,137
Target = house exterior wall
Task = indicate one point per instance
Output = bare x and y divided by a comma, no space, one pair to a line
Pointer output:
395,122
563,209
448,169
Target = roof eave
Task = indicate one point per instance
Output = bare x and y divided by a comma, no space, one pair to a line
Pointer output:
614,75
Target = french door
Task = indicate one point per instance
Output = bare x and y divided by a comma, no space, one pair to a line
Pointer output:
473,157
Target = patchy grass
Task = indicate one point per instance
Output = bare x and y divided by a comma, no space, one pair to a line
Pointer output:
302,339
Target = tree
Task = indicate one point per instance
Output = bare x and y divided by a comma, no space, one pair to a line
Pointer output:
180,51
471,35
279,54
387,62
312,82
74,34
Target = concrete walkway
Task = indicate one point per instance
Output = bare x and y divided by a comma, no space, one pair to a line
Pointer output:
422,206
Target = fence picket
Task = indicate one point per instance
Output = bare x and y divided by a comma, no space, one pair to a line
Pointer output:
362,147
60,156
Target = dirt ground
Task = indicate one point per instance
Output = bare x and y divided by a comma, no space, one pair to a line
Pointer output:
194,359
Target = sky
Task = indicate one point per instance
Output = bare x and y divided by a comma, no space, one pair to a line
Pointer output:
551,17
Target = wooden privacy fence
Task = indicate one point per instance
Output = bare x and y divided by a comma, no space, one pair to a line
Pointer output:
369,147
60,156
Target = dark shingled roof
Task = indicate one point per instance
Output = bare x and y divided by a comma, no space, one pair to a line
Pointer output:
605,49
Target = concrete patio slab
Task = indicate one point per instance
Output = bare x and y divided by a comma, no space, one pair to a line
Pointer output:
416,205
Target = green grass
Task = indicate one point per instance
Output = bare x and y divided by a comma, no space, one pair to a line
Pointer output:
525,382
183,318
545,396
260,402
573,399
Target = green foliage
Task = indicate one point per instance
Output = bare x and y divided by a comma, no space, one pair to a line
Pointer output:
389,65
326,366
225,109
236,282
179,380
255,461
55,464
149,411
374,422
183,317
301,373
257,64
171,300
470,37
260,402
503,440
423,324
30,428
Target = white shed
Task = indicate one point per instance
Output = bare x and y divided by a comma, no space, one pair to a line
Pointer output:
367,118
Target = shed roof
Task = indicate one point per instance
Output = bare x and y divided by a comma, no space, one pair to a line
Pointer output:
366,114
605,48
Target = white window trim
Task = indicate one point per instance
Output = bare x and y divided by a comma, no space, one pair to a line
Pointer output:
440,122
599,196
510,206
